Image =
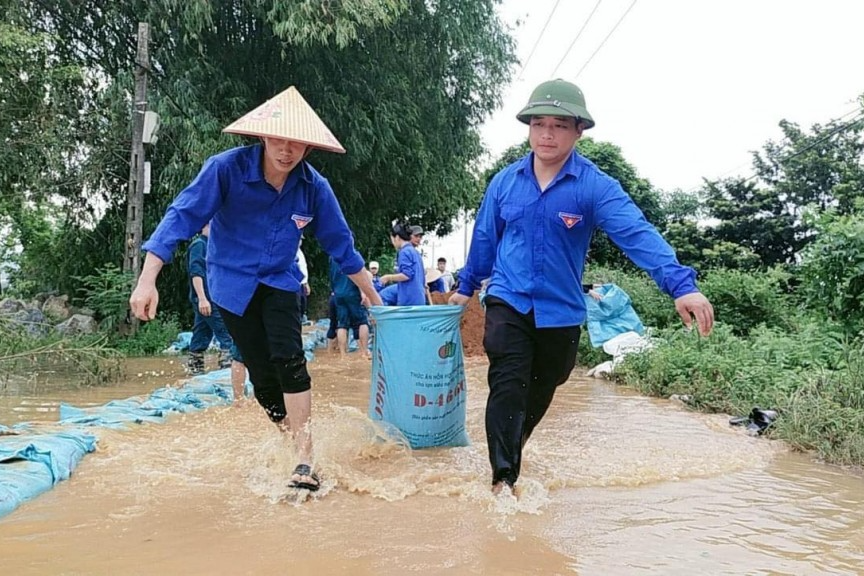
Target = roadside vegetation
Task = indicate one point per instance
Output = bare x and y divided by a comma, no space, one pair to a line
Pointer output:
779,250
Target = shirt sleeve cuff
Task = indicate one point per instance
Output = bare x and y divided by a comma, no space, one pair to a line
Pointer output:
157,250
683,283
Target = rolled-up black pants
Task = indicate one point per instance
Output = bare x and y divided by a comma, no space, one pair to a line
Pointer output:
269,337
526,365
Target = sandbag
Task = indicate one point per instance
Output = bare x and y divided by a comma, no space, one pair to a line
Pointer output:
418,374
611,316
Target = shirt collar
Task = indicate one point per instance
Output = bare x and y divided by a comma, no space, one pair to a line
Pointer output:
255,172
572,166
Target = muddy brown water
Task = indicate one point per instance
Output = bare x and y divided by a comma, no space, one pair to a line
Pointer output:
613,483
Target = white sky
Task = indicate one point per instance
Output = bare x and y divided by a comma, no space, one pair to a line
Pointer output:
687,89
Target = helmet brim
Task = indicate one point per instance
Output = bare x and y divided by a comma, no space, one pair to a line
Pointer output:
549,109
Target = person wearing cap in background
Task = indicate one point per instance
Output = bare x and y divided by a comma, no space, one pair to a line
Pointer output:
530,240
376,279
416,236
409,278
259,200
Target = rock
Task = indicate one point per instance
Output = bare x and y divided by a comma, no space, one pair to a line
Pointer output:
32,321
77,324
57,307
41,297
680,398
11,305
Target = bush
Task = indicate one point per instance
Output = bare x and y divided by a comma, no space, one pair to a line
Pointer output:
107,293
151,338
832,270
814,377
744,300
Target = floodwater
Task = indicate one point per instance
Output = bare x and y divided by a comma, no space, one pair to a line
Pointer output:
613,483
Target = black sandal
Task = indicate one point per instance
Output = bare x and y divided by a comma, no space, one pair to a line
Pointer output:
305,470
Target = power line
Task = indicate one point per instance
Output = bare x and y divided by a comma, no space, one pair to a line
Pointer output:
837,130
540,37
578,34
841,128
607,38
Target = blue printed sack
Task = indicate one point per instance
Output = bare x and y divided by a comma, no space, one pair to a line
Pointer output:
611,316
418,374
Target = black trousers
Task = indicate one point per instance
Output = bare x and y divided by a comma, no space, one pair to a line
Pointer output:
269,337
526,365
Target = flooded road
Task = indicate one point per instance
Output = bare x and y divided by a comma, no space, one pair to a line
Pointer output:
613,483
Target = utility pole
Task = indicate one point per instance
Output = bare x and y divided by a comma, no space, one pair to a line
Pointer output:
135,195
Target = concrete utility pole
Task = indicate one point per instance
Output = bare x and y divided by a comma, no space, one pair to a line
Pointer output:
135,196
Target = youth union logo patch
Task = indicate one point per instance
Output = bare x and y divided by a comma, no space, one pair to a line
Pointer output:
570,220
301,221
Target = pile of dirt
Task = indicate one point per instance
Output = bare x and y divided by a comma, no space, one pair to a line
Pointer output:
472,325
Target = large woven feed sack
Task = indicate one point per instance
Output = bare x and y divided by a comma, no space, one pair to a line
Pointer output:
418,374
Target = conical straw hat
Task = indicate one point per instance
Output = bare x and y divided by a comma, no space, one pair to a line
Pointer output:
432,274
287,115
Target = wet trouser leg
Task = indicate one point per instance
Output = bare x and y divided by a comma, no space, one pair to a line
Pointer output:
526,364
269,338
202,332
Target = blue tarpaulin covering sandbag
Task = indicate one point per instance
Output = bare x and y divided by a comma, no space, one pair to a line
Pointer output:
612,315
32,463
204,391
418,374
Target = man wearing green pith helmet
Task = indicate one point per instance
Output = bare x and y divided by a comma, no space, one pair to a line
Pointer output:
530,240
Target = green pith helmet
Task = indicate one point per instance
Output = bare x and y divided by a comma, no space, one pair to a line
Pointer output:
557,98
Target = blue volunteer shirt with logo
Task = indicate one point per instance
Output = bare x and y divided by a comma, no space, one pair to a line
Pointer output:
411,292
532,244
254,229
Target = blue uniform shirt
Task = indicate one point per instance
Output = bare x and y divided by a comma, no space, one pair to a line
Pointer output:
411,292
254,229
532,244
341,285
197,265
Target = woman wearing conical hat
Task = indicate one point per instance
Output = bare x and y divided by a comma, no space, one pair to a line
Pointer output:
259,200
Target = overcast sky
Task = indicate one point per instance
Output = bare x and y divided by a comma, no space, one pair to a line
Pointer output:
686,88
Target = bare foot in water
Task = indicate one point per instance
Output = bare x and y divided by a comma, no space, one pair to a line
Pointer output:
499,486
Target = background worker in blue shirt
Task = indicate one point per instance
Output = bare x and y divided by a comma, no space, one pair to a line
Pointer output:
409,277
259,200
208,321
350,312
530,239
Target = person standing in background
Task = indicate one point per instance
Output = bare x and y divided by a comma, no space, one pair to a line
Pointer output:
350,312
410,277
416,236
305,289
446,277
208,320
376,279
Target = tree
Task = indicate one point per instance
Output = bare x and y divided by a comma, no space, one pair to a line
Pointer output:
820,170
753,217
404,84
